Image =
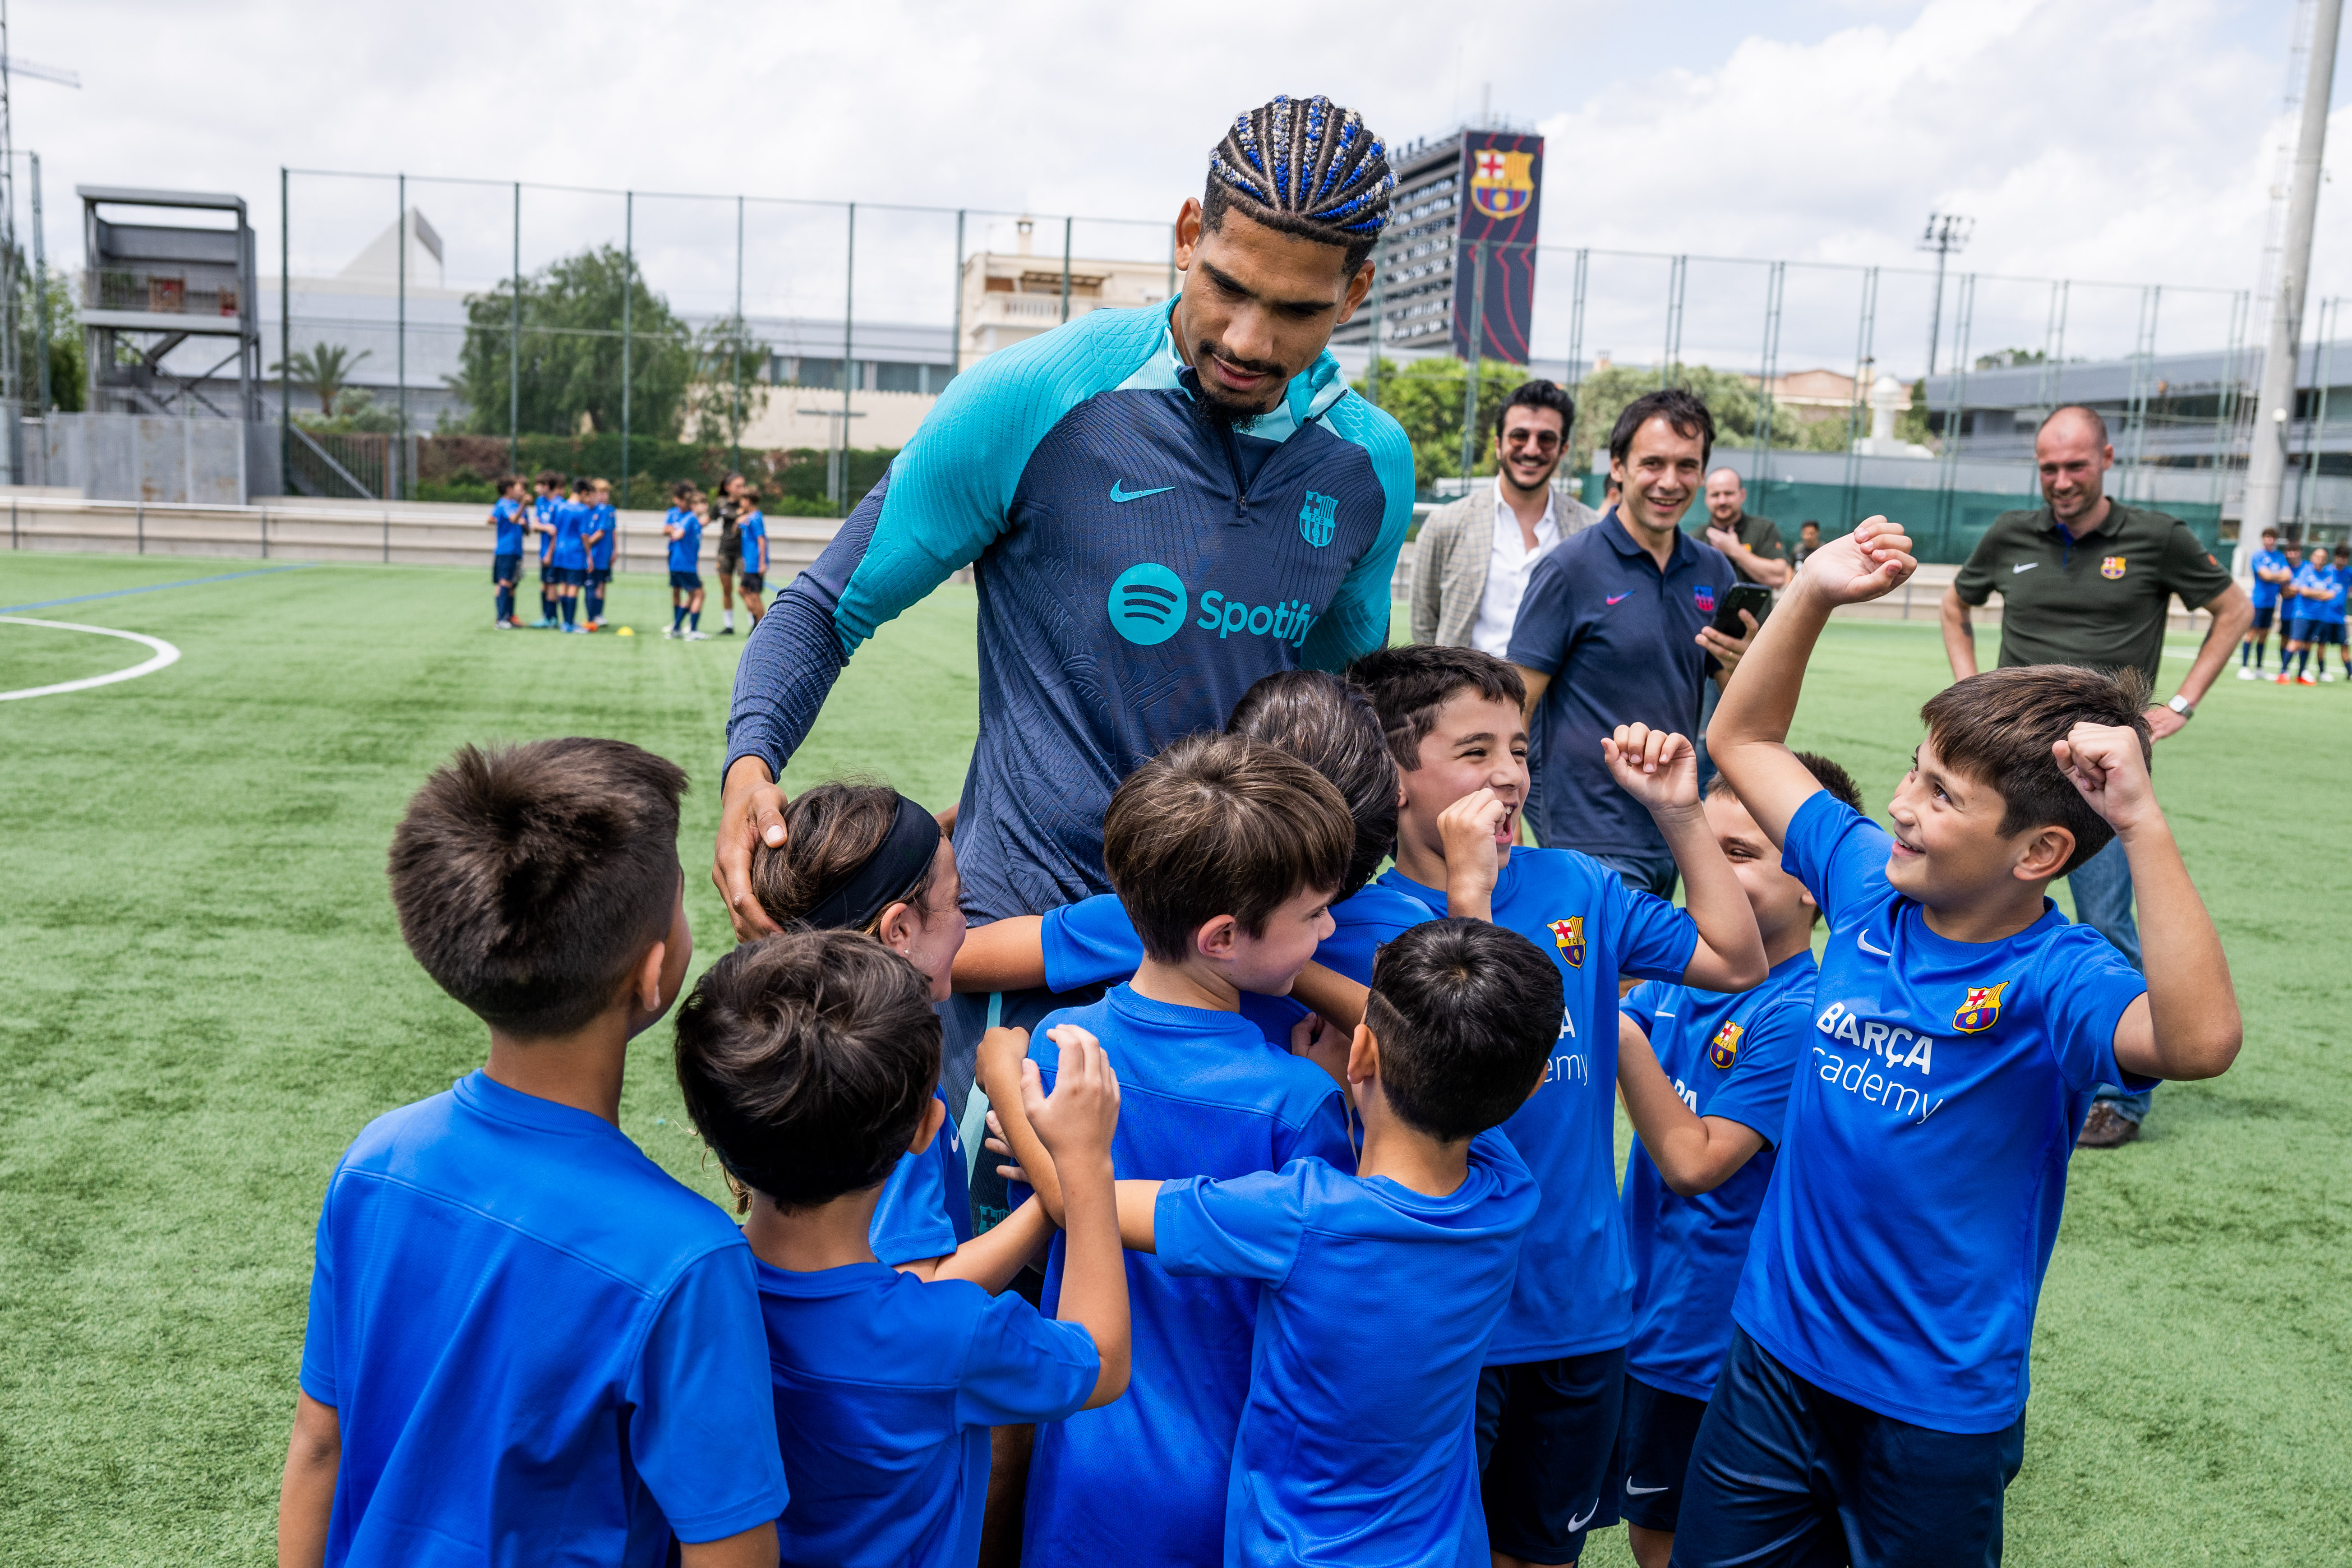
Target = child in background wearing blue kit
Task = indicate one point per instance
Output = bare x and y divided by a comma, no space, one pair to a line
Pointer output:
1226,853
506,555
2274,570
1377,1290
603,533
2303,605
1871,1408
810,1063
1331,727
567,555
752,531
549,496
1555,1380
683,528
526,1340
1706,1079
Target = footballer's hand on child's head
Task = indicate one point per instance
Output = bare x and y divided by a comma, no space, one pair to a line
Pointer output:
1075,1122
750,813
1868,564
1656,767
2106,763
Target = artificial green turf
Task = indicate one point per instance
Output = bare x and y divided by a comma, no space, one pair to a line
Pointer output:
208,997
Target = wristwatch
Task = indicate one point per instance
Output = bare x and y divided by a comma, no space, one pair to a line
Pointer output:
2182,706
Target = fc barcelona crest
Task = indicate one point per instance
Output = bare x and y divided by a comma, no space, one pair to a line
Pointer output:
2111,567
1318,520
1570,934
1704,597
1724,1049
1981,1011
1502,183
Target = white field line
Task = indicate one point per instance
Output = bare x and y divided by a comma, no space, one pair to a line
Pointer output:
164,654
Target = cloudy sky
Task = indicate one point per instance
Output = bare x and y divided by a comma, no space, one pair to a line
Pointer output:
2127,145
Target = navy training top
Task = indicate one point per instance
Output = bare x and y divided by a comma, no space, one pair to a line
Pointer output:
1138,568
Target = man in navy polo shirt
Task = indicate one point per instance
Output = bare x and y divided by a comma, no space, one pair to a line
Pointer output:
1616,629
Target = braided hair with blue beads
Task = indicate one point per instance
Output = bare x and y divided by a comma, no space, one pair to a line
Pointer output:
1306,167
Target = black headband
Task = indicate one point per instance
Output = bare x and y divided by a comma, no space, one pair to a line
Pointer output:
905,852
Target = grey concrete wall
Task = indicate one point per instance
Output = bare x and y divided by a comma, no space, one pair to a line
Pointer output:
142,459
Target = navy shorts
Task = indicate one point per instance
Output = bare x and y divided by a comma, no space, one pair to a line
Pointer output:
751,582
2326,634
1547,1452
1653,1450
690,581
600,576
505,568
1788,1475
2262,615
564,576
547,571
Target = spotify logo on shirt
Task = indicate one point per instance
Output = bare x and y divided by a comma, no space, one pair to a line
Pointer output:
1147,604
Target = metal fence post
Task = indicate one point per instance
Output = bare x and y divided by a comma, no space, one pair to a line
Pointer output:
1775,284
628,294
1476,344
1865,331
1065,267
284,335
1677,279
139,513
265,533
735,345
400,338
849,347
40,296
1371,337
514,345
955,338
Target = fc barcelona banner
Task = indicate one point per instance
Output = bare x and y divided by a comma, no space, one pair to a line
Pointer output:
1501,188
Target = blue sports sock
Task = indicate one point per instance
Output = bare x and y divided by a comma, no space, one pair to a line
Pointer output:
568,602
676,617
596,604
505,605
2303,661
2261,650
546,605
694,620
2245,652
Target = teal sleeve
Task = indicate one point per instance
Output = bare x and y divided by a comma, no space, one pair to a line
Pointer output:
951,490
1358,620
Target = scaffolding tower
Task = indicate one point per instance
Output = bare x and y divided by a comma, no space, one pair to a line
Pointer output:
154,286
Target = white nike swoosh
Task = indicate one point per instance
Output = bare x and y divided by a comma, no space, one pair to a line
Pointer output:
1863,941
1575,1524
1632,1490
2023,566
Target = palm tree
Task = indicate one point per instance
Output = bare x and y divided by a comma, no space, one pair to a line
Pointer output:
322,367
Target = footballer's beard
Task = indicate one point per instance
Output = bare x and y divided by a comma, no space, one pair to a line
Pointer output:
1221,408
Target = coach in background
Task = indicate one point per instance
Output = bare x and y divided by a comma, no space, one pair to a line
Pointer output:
1472,557
2087,581
1751,543
1616,629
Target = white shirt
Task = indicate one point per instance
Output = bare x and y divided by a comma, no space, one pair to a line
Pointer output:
1507,569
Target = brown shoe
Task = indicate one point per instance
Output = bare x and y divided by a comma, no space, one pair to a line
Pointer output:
2107,1127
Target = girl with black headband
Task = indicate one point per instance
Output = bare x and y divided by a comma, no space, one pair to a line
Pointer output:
863,858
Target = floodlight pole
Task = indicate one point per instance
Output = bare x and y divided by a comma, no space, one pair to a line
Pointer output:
400,355
1946,233
849,347
628,287
40,295
284,335
514,346
2275,402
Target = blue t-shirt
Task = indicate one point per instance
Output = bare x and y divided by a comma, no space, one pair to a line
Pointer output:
508,515
1138,568
1200,1093
1620,639
1358,1443
885,1388
1093,940
2310,590
1575,1291
753,532
542,509
2266,593
1922,1158
529,1332
601,516
925,1208
571,552
1729,1056
686,549
2326,604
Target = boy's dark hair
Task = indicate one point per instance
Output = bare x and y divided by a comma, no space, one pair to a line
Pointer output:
1826,774
508,482
530,879
806,1061
1812,522
550,479
1679,406
1998,727
682,490
1467,1014
751,494
1305,167
583,487
1220,825
1333,728
1408,685
829,833
1539,394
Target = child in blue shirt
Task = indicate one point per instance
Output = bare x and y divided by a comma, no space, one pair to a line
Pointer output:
683,528
1555,1377
526,1340
1872,1400
1706,1079
2274,570
1226,853
1330,726
751,531
1377,1290
2328,620
567,559
544,506
809,1063
2304,607
602,534
505,520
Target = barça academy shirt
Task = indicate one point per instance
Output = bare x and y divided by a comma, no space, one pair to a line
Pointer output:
1575,1290
1727,1056
1138,567
686,549
1093,940
1922,1165
2266,592
1140,1482
1358,1443
531,1333
508,515
571,527
600,518
925,1208
885,1389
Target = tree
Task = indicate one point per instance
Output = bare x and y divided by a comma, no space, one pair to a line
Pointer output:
731,394
569,360
69,355
324,368
1911,423
1425,397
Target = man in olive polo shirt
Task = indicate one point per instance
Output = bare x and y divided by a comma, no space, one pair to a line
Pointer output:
1751,543
2085,580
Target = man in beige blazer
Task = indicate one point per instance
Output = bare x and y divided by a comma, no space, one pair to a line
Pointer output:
1471,561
